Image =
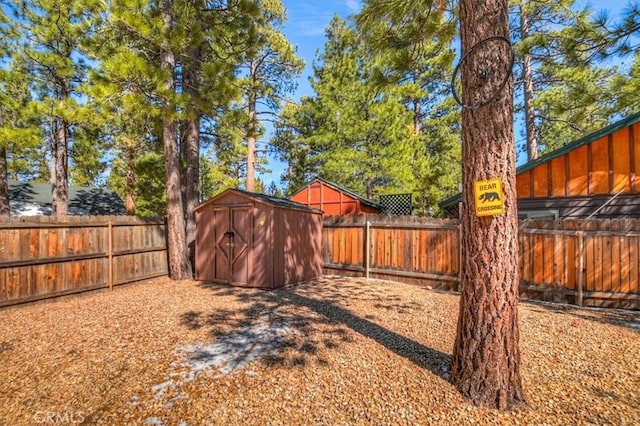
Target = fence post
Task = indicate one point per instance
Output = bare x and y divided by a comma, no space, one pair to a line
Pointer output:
580,235
367,248
110,253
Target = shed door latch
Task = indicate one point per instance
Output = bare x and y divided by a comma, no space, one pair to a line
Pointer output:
229,235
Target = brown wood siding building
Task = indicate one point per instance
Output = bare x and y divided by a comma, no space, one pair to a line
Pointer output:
597,176
333,200
254,240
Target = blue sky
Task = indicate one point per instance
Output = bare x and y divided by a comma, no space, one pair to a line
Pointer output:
307,20
305,26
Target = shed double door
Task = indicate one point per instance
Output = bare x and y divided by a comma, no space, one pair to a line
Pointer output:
233,244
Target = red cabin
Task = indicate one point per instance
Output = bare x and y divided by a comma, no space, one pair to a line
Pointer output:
333,200
593,177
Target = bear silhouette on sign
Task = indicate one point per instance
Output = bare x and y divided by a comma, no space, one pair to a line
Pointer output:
489,196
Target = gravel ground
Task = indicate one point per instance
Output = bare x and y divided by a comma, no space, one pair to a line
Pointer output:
331,351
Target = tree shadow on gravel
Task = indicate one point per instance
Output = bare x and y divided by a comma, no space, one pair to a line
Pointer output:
435,361
618,317
306,341
628,399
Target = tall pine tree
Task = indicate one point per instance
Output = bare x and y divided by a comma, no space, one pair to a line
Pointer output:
411,43
562,94
486,355
51,34
350,131
267,72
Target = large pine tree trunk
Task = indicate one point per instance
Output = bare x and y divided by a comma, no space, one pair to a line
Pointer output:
251,147
59,174
4,182
191,148
130,200
527,80
251,135
486,356
179,267
192,176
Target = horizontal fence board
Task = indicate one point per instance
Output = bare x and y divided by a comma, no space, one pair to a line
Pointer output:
49,260
48,257
590,262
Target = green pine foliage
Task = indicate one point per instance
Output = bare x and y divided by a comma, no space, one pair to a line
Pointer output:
351,132
412,45
267,77
20,132
627,88
597,38
380,118
571,95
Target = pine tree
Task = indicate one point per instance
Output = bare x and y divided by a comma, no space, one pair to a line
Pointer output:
192,70
414,43
411,43
138,46
291,144
167,58
19,128
486,357
179,266
268,72
563,93
209,64
523,13
228,148
52,33
125,94
215,176
350,132
274,191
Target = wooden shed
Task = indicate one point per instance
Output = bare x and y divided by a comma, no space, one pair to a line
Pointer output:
333,199
597,176
254,240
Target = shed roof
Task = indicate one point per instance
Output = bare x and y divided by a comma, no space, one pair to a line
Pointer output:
337,187
628,121
262,198
34,198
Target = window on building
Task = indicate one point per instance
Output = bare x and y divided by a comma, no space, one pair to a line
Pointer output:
538,214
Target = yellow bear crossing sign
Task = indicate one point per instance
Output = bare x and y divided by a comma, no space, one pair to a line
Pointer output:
488,197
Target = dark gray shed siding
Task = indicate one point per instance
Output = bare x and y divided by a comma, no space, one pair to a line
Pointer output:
600,207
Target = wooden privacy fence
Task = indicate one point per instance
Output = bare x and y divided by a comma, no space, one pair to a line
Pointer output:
44,257
585,262
592,262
